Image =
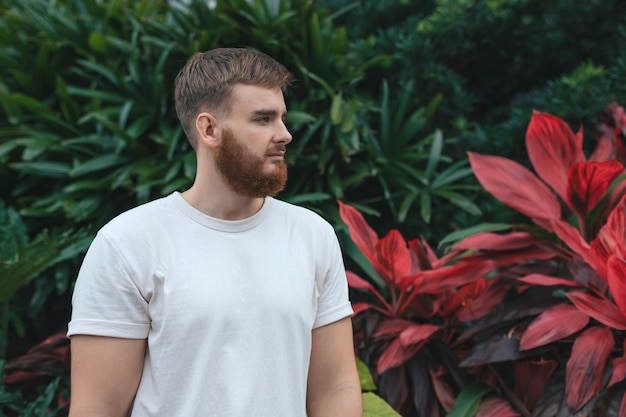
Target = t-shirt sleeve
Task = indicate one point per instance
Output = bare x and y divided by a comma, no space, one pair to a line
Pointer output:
333,302
107,300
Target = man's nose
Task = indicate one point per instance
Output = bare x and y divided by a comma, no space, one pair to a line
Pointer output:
283,136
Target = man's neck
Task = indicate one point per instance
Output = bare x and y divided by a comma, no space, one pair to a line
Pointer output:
221,202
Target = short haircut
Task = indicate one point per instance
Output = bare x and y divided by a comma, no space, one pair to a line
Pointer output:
206,81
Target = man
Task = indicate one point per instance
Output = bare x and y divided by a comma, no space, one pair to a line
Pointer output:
221,300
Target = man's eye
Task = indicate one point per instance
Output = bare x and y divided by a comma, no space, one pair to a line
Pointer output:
264,119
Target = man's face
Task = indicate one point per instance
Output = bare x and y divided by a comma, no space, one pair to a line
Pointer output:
245,172
250,156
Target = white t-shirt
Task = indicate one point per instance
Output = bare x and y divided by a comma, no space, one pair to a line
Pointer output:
227,306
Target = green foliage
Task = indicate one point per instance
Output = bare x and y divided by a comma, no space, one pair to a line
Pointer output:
51,401
365,377
22,261
389,97
373,405
492,62
468,400
91,132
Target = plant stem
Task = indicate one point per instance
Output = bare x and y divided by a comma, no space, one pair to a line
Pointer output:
511,396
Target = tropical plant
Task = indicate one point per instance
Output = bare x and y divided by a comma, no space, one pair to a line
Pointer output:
409,317
89,131
22,260
37,383
373,405
562,335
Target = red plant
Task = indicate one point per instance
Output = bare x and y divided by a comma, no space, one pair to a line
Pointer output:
409,324
576,308
37,367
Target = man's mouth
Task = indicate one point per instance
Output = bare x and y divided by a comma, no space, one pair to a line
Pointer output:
277,155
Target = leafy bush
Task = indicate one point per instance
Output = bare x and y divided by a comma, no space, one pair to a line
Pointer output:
409,321
389,95
535,314
573,323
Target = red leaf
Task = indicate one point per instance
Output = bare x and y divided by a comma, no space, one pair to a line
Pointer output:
530,379
473,300
514,257
600,309
610,239
616,269
363,236
606,146
482,304
445,394
495,407
356,282
395,355
392,327
358,308
554,324
451,277
601,249
553,149
24,377
616,227
572,238
517,187
417,333
585,367
455,300
589,182
394,256
617,194
540,279
423,255
619,371
495,241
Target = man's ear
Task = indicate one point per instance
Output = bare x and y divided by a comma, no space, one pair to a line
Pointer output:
206,128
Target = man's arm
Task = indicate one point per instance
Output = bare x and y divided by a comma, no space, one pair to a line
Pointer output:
333,384
105,375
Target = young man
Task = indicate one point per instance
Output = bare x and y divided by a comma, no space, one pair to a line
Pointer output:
221,300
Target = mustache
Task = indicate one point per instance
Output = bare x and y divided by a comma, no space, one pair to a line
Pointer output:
279,148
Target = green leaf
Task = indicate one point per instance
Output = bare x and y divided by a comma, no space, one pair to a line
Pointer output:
435,154
367,382
308,198
34,258
406,204
468,400
336,109
459,200
374,406
97,42
299,117
7,147
30,103
98,163
43,169
483,227
426,207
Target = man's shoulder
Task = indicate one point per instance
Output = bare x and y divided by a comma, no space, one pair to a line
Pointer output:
301,215
141,217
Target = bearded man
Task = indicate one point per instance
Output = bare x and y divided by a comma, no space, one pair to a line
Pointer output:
220,300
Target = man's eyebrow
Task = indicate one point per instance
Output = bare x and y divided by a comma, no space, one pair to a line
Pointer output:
267,112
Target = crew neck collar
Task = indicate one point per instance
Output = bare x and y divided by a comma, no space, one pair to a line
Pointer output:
233,226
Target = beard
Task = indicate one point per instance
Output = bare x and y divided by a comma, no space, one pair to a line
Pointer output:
243,170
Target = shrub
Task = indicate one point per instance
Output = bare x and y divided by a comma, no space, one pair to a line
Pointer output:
535,314
572,322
